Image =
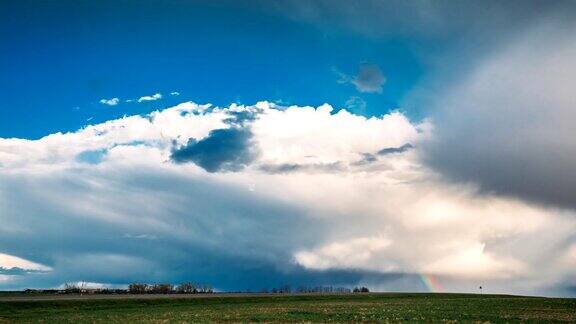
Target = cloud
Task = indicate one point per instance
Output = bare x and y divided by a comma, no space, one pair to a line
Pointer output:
174,93
110,102
293,167
369,79
140,236
394,150
13,262
356,105
301,211
508,124
223,149
92,157
353,253
421,21
153,97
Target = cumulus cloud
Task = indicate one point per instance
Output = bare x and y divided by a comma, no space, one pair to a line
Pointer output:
174,93
110,102
153,97
301,211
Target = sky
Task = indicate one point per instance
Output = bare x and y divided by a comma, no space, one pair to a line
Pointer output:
404,146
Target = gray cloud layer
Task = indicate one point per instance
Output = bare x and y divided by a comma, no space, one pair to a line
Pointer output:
203,231
510,125
420,20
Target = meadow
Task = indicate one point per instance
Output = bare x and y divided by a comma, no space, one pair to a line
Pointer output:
381,307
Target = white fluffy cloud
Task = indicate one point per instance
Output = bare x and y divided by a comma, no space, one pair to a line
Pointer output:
153,97
10,262
322,191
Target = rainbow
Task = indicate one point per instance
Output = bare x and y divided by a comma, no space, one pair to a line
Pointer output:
431,282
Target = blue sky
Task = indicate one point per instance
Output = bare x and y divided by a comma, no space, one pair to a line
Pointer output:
57,56
390,144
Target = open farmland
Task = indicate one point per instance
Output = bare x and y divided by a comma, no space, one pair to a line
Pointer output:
392,307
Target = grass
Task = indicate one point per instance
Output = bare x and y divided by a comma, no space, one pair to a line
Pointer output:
294,308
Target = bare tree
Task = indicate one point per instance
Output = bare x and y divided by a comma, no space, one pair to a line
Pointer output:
138,288
71,288
186,288
163,288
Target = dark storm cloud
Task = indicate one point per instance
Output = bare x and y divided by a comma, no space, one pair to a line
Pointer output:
212,234
509,125
223,235
228,149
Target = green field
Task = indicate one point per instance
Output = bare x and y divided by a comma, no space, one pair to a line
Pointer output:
294,308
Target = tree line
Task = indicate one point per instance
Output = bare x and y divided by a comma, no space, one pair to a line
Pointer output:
133,288
287,289
138,288
166,288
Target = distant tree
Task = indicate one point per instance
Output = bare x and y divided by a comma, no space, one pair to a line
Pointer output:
364,290
162,288
83,286
284,289
71,288
138,288
186,288
208,289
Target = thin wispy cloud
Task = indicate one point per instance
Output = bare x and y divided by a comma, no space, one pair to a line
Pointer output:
356,105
